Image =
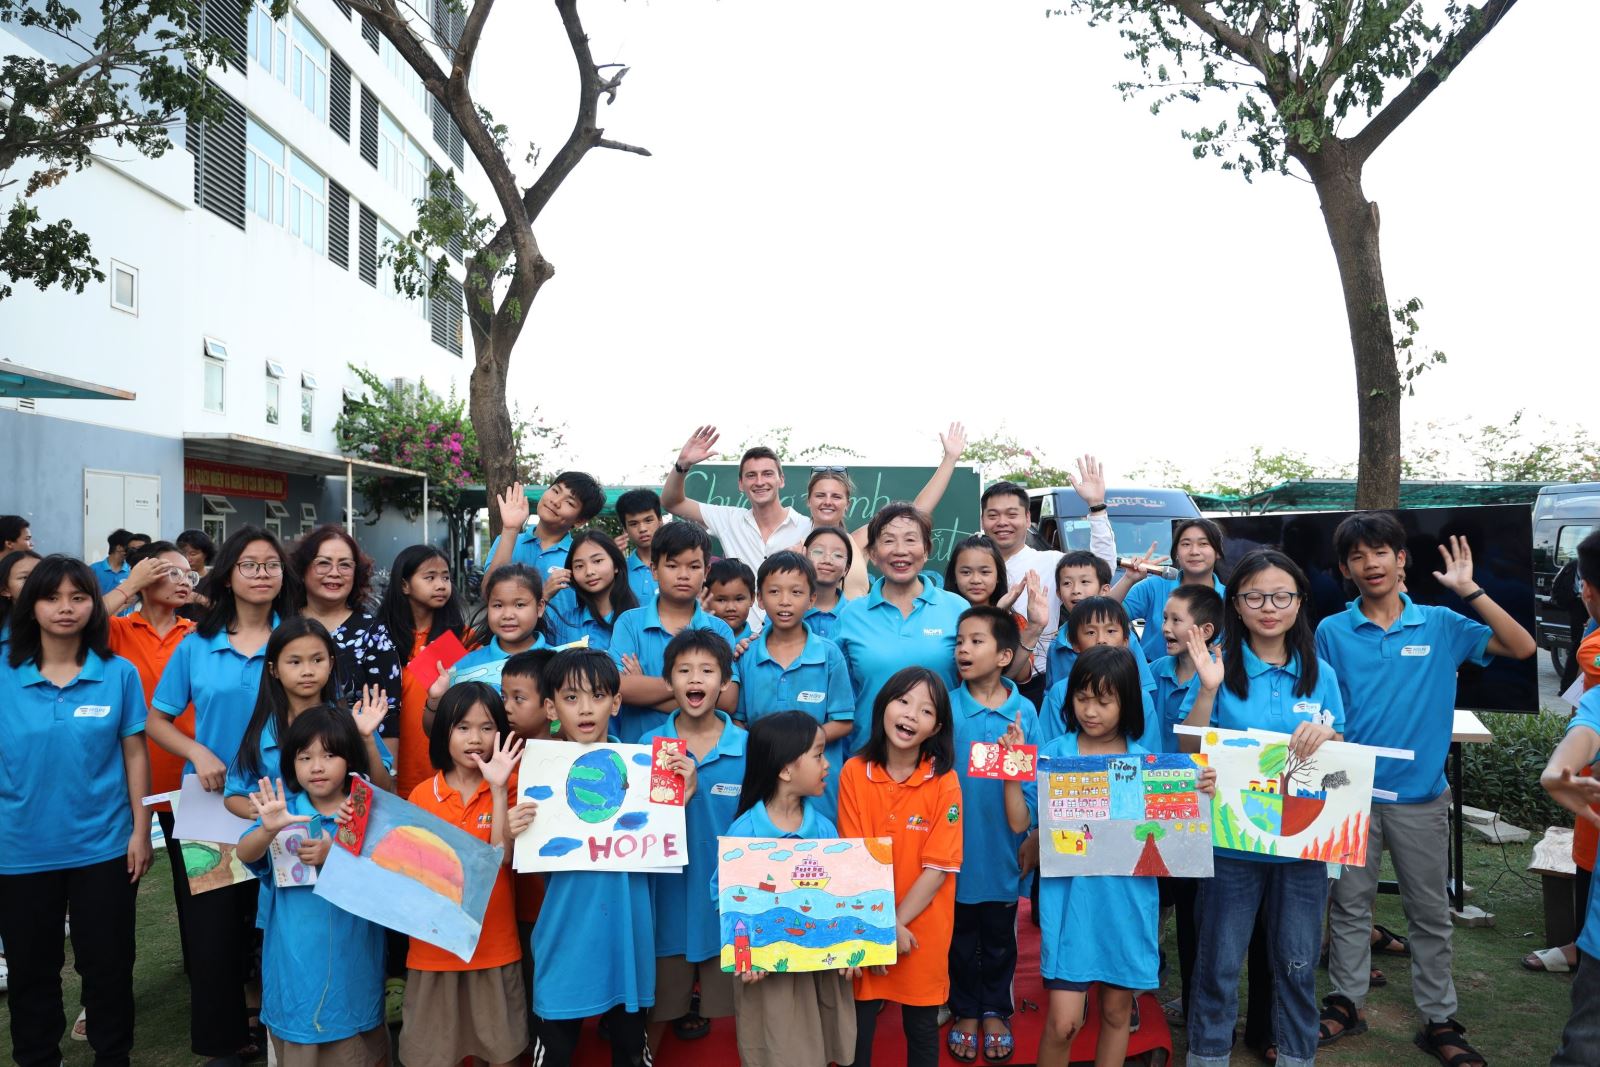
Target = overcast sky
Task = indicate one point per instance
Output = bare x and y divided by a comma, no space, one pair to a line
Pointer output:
868,218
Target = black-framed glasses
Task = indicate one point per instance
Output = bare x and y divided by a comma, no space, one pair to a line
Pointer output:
1256,601
250,568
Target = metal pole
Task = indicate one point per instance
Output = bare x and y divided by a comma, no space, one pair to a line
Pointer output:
349,498
425,523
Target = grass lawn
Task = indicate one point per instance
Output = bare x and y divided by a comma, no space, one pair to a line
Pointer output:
1512,1015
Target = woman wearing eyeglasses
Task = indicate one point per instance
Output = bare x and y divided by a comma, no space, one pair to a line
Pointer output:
217,668
335,579
1268,678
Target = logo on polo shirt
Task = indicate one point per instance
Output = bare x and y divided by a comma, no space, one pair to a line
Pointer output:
953,813
1314,712
725,789
92,711
933,631
810,696
1416,650
485,819
916,822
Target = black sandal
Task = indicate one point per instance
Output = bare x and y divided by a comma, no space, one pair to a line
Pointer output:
1340,1011
1387,940
1435,1038
691,1027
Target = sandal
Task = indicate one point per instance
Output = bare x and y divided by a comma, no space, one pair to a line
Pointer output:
80,1026
691,1027
1548,960
1376,978
998,1048
962,1044
1133,1017
1389,942
1437,1039
1338,1011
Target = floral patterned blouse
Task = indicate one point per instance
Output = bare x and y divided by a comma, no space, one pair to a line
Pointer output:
367,657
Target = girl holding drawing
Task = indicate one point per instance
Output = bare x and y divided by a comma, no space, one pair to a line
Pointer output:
902,785
791,1019
456,1009
1269,678
75,832
217,668
321,967
1102,929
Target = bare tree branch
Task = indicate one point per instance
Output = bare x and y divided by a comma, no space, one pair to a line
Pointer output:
471,33
620,147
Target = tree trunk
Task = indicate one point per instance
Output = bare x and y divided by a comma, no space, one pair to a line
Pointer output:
1353,230
491,419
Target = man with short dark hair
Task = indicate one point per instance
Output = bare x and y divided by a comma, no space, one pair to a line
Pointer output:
749,534
110,571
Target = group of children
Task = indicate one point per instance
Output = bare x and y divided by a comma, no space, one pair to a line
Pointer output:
806,713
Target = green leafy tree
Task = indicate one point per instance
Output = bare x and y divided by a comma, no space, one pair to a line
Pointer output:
121,76
781,440
1002,458
1296,79
505,266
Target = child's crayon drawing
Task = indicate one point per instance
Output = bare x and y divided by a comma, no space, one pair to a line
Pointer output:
595,811
287,870
805,905
666,787
416,874
990,759
1122,815
1271,801
210,865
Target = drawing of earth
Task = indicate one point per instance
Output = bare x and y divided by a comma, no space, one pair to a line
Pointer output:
597,785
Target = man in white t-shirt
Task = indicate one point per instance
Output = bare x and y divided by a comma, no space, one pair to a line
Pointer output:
749,534
1005,519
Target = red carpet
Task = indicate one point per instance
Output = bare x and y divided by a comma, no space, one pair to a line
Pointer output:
1152,1044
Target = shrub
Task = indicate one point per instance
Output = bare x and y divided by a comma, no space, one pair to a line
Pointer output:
1503,776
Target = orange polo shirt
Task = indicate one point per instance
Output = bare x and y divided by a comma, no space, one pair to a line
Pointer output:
411,766
498,944
135,640
923,817
1584,836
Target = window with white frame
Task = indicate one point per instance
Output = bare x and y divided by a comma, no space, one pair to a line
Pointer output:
214,392
266,173
308,518
276,514
415,184
308,70
268,40
408,79
274,390
214,512
308,396
391,150
124,288
308,204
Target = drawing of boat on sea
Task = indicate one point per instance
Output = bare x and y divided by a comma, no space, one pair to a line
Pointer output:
809,874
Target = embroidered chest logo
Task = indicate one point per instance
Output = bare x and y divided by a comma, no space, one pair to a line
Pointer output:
916,822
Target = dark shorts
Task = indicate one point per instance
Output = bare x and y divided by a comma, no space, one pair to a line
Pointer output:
1066,986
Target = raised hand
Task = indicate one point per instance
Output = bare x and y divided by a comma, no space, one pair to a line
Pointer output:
1038,602
507,754
698,448
954,442
1206,662
1138,573
621,541
513,505
440,686
1013,735
1457,573
1090,482
369,711
146,573
272,807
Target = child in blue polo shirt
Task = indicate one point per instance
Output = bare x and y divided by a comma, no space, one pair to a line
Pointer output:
789,667
640,636
639,511
1269,678
730,594
587,610
832,553
977,571
513,603
1079,575
321,967
1096,620
1397,662
688,931
983,947
1197,549
75,831
594,942
1577,792
568,502
790,1019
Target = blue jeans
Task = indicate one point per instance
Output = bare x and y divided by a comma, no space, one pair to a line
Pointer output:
1580,1041
1293,895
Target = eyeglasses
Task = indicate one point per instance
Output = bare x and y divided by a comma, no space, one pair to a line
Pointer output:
1257,601
824,554
250,568
187,577
324,565
834,469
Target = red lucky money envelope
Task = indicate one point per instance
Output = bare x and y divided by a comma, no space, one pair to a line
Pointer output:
666,787
351,834
445,649
990,759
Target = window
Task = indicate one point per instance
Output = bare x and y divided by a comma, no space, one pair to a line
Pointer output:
308,70
215,528
391,149
268,41
308,518
266,173
214,392
274,527
415,184
274,391
1567,543
276,513
308,395
124,288
308,204
214,512
387,242
408,79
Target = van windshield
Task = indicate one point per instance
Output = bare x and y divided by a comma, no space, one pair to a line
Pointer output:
1134,534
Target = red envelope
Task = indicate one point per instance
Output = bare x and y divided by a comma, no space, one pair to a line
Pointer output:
666,787
990,759
424,666
351,834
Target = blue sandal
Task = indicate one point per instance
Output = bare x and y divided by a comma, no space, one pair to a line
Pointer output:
998,1048
963,1047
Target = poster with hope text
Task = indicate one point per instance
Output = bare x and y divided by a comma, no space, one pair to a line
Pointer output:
595,811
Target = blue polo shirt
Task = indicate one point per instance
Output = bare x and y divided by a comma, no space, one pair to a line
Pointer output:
641,579
686,921
1096,929
222,685
108,578
569,621
63,783
817,683
595,944
1058,662
321,967
241,784
1053,719
1272,703
528,550
1148,600
1173,700
823,622
1587,715
1399,687
757,823
877,641
640,633
485,664
989,869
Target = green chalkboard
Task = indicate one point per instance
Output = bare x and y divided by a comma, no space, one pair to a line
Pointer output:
954,518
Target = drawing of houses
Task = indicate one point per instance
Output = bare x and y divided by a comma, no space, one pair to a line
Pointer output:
1170,794
1080,795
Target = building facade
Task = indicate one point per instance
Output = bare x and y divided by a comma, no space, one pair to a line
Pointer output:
244,275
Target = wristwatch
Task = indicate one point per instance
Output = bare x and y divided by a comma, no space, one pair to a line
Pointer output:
1095,509
680,468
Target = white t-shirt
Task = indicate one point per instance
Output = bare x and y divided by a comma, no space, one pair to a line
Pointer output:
741,538
1042,561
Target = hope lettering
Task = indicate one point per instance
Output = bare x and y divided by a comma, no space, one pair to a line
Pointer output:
621,846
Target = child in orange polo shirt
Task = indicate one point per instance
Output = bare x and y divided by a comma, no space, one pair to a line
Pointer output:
453,1009
418,606
903,786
